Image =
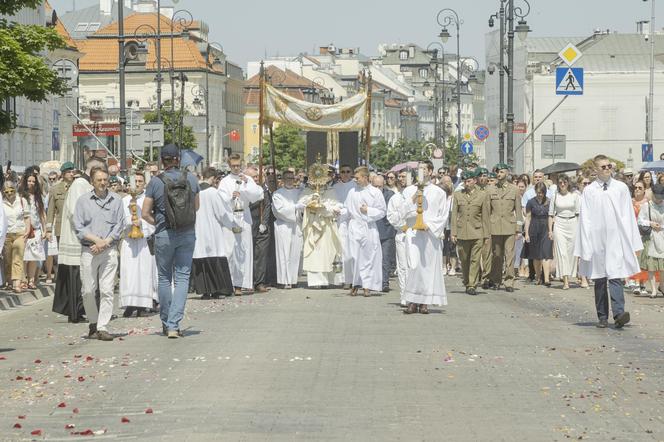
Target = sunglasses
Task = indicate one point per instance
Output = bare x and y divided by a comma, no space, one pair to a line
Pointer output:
9,191
606,166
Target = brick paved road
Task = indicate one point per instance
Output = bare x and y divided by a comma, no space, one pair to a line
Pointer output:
303,365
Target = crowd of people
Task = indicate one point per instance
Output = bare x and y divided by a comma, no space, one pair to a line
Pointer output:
164,231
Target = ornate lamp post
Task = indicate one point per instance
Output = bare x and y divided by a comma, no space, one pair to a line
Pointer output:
184,19
435,63
508,11
445,18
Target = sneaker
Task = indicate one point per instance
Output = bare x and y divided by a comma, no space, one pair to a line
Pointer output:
471,291
452,272
603,323
173,334
103,335
621,319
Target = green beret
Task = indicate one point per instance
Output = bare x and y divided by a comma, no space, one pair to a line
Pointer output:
481,171
493,175
68,165
113,180
501,166
468,174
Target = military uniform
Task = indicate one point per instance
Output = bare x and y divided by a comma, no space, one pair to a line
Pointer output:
485,260
56,201
505,214
470,226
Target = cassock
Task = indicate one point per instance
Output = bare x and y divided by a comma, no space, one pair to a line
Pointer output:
321,242
396,217
241,260
341,189
425,283
67,299
608,236
287,234
366,257
214,243
138,268
264,249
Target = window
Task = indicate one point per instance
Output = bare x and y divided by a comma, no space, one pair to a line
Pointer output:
403,55
109,102
135,104
95,103
94,27
424,73
81,27
552,149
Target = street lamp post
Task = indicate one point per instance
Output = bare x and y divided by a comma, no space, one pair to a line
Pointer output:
651,92
501,106
522,29
219,47
158,50
184,19
121,72
439,132
449,17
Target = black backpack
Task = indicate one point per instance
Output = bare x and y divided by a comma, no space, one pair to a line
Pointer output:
179,202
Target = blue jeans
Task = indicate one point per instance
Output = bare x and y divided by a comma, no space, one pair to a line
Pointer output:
614,287
173,252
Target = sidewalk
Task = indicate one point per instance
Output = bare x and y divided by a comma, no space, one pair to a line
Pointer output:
11,300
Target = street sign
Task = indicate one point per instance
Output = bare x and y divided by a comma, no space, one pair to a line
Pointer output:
482,132
466,148
570,54
569,81
99,129
646,153
520,128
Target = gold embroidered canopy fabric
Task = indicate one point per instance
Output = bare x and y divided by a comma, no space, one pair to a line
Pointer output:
347,115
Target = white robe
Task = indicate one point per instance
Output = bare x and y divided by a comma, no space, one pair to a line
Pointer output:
287,234
425,283
608,236
321,242
364,250
69,249
214,220
241,260
341,190
395,216
138,268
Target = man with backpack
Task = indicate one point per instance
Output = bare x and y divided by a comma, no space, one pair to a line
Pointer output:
171,202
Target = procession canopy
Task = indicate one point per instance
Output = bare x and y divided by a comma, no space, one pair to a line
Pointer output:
347,115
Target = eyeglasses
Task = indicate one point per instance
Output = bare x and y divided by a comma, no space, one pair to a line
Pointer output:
585,183
52,180
9,191
606,166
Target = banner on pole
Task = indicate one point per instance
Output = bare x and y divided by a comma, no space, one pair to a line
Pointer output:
347,115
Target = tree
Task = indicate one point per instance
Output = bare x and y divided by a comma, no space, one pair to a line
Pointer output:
384,156
170,120
453,156
289,148
23,70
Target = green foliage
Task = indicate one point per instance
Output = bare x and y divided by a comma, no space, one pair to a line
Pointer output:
289,148
453,156
587,166
24,72
172,119
385,156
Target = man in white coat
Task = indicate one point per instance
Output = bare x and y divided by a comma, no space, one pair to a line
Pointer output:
341,189
287,232
243,191
425,283
210,271
138,268
607,241
364,206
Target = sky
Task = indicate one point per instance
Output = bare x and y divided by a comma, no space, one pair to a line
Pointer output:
252,30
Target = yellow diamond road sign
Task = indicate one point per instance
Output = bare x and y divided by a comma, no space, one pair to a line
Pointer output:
570,54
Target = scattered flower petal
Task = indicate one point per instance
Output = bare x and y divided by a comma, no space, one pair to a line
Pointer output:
36,432
75,411
148,411
17,425
69,426
125,420
81,379
22,416
62,405
37,361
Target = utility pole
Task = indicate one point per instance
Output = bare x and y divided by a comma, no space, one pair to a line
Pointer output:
651,95
510,83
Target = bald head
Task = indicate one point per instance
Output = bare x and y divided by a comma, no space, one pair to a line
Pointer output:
378,181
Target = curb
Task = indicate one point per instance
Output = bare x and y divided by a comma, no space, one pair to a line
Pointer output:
10,301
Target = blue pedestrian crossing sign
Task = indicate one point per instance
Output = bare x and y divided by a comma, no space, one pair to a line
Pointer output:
569,81
466,148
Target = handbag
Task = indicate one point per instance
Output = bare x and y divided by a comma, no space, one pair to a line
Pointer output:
645,231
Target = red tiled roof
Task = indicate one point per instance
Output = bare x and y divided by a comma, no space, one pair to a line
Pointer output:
252,95
283,79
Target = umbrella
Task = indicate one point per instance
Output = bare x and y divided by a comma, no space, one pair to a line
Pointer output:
407,165
189,158
654,166
560,168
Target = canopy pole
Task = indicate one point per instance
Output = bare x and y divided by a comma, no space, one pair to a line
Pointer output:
261,87
368,127
272,152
